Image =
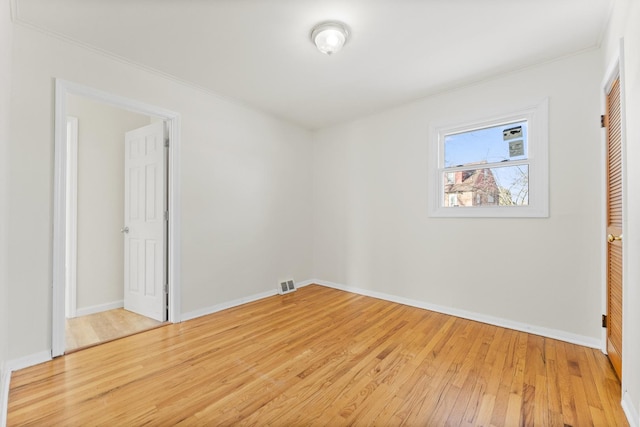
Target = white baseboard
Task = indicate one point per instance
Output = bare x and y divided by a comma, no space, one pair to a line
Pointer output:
236,302
479,317
225,305
5,378
26,361
13,365
305,283
99,308
630,410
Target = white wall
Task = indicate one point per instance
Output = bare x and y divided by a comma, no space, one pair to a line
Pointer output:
624,24
6,31
100,263
370,208
248,215
246,208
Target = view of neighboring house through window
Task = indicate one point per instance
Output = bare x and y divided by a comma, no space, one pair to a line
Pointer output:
495,167
487,167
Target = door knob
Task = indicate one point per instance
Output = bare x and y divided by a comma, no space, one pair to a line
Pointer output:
611,238
124,230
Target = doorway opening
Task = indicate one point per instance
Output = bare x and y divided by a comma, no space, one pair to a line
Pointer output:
115,265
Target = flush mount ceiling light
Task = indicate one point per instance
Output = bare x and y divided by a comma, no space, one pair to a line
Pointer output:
329,37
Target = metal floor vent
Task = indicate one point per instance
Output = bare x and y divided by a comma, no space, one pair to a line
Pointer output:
286,286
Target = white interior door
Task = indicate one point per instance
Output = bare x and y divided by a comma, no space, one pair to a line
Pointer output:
144,222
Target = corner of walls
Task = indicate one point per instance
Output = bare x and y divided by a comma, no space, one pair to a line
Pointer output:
6,368
372,225
27,361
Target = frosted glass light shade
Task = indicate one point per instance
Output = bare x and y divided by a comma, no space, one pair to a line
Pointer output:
329,37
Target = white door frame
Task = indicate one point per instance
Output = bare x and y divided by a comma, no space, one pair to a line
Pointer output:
62,89
72,217
615,69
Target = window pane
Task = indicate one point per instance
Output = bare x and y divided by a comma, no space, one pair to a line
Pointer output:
502,186
488,145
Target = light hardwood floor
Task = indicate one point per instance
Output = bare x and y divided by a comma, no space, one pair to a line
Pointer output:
92,329
320,356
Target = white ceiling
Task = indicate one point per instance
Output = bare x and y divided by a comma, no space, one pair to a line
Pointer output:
259,51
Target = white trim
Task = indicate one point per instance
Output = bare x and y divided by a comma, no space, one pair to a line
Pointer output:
175,217
72,218
5,380
305,283
537,115
479,317
27,361
225,305
630,410
99,308
59,222
627,308
236,302
62,88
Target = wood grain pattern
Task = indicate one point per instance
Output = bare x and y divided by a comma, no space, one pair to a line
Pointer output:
320,356
98,328
614,226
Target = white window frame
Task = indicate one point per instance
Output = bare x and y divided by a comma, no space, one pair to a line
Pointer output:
537,117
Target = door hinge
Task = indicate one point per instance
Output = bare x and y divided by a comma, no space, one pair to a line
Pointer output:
604,320
166,215
166,288
166,143
602,121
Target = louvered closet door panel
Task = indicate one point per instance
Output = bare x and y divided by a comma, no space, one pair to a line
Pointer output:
614,228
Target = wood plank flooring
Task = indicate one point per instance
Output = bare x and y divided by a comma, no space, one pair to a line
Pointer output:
322,357
92,329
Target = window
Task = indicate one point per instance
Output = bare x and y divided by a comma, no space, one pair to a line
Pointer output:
491,168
